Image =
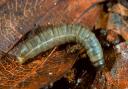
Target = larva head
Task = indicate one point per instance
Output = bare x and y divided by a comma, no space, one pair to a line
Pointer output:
20,60
21,56
96,57
99,64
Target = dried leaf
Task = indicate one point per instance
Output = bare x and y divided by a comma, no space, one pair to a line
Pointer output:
102,20
120,9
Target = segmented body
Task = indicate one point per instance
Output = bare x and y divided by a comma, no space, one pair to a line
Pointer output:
55,36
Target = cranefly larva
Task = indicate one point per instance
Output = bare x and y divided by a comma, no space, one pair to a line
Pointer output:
55,36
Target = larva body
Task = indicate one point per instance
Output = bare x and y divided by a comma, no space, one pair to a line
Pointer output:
55,36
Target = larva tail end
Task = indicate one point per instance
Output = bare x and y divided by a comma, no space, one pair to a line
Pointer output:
20,60
99,64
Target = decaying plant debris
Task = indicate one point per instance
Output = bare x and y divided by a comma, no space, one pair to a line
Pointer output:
65,65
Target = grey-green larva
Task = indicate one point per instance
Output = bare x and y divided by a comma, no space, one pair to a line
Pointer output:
58,35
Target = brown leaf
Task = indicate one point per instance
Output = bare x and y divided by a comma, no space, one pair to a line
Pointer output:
120,9
102,20
36,74
112,36
2,2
